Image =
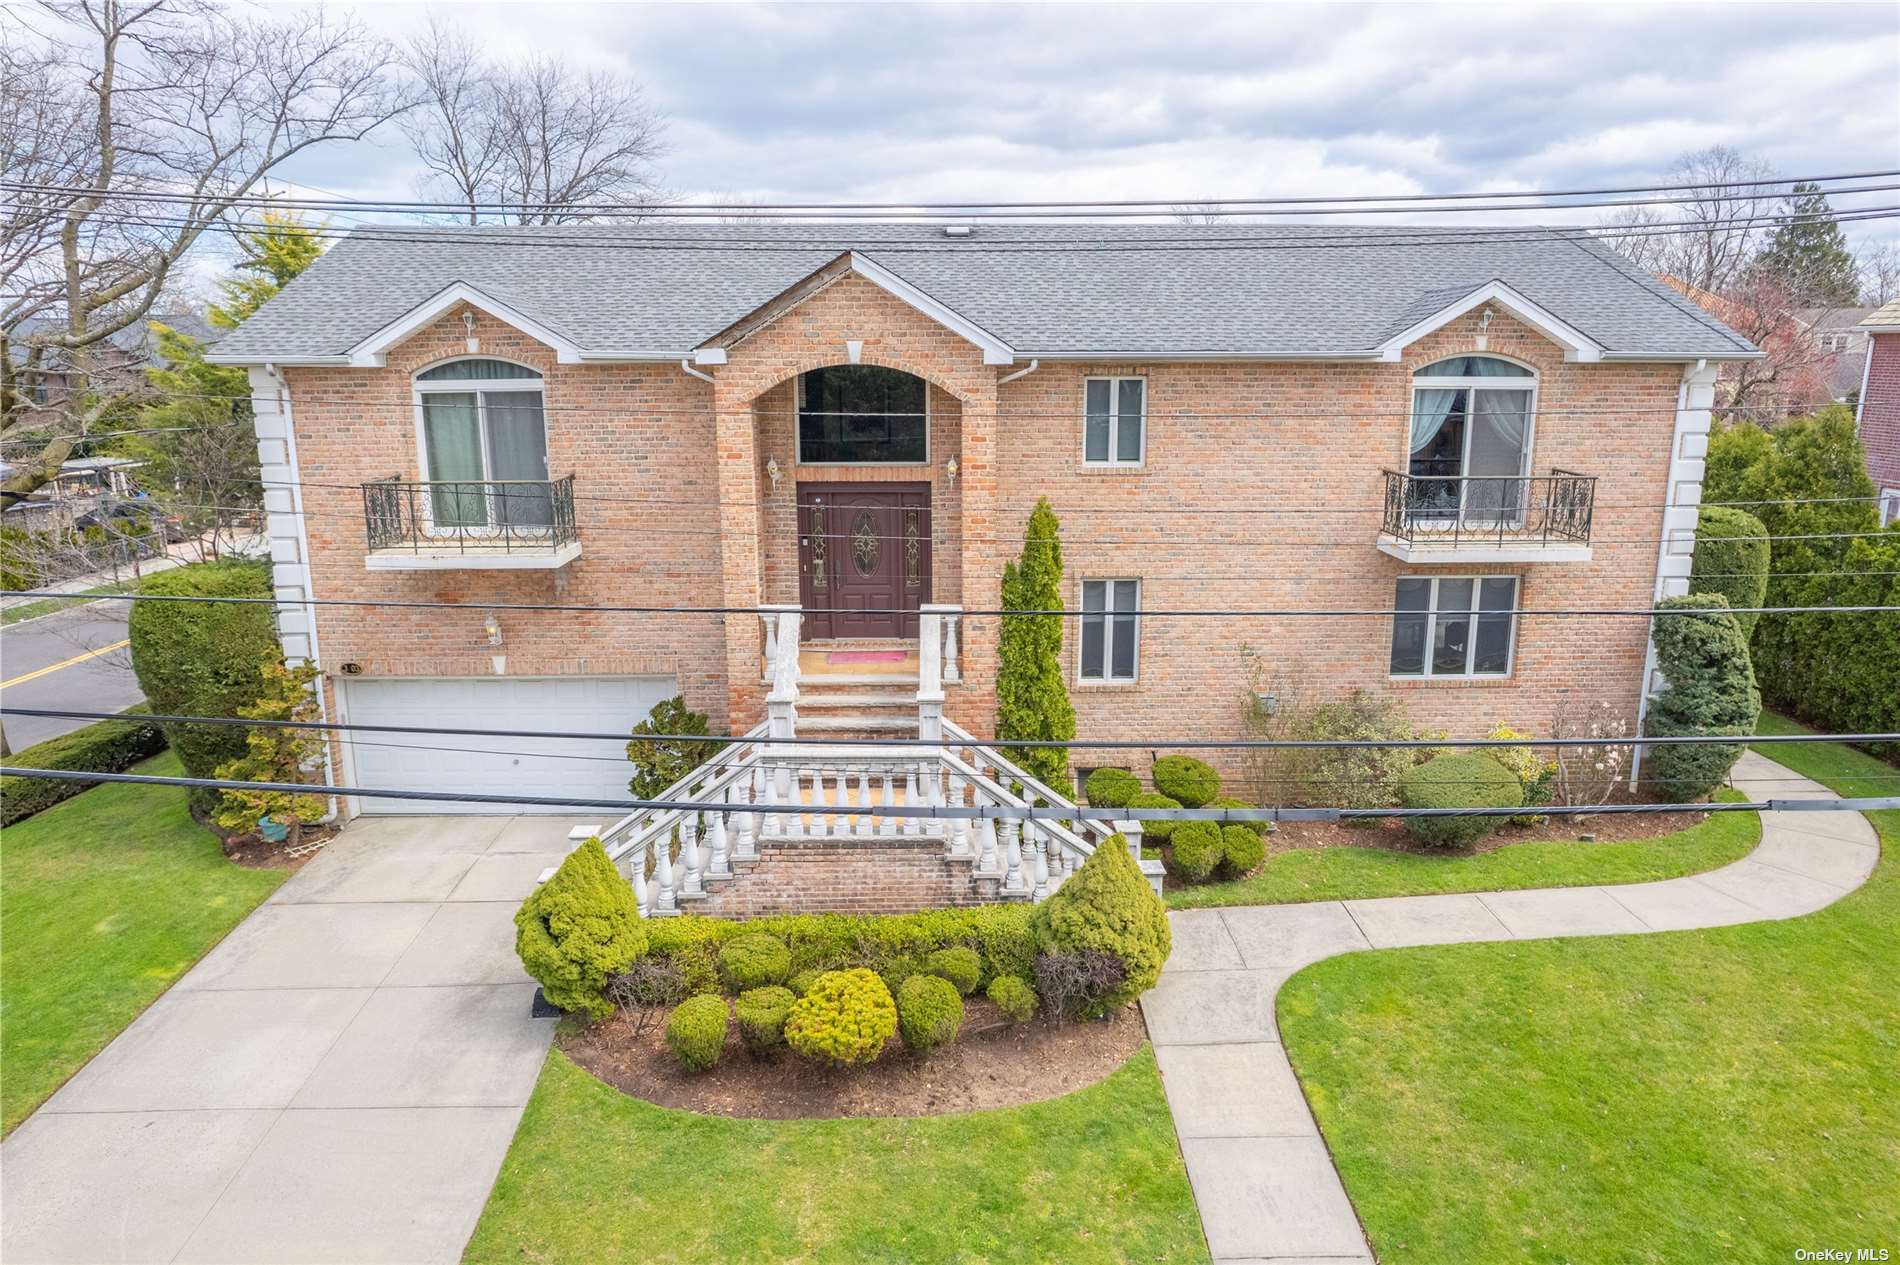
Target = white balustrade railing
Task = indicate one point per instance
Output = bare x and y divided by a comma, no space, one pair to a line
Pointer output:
974,751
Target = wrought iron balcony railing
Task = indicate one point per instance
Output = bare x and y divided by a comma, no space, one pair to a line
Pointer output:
1531,509
492,516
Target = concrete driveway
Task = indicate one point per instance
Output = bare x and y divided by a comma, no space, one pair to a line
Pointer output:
337,1081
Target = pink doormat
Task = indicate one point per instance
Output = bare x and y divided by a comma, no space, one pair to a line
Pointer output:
866,656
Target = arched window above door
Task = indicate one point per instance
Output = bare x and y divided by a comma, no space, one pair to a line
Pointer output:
862,415
1471,430
484,444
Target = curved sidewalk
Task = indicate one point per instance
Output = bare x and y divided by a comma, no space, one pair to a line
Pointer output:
1262,1176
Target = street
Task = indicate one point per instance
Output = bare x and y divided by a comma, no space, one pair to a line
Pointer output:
75,658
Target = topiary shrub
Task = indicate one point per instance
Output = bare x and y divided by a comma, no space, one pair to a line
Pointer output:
578,928
1242,851
958,964
1182,777
1160,830
1197,849
696,1032
761,1013
1107,906
110,746
1731,558
1016,999
1710,690
801,983
204,659
845,1019
1111,788
753,961
929,1013
1258,827
1458,781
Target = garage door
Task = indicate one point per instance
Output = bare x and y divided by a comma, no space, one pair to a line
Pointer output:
497,766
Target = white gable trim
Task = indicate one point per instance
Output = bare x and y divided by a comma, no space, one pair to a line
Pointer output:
1577,345
373,351
995,350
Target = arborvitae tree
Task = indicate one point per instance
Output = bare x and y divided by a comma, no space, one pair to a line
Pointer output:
1731,558
1710,691
1032,702
274,253
1809,254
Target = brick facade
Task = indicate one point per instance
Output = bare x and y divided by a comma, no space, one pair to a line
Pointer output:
847,876
1880,410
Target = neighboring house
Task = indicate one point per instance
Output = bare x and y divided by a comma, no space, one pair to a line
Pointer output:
83,484
856,421
1836,331
1878,416
122,356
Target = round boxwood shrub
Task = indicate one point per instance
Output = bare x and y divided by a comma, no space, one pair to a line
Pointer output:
1107,907
754,960
1458,781
1111,788
761,1014
929,1013
1182,777
1242,851
1158,831
1197,849
960,965
696,1032
1258,827
578,928
845,1019
1013,997
801,983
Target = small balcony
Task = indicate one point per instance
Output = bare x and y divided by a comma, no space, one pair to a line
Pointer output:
1488,518
470,525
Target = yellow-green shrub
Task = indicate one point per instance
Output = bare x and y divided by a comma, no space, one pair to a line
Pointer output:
1242,851
753,961
1197,850
696,1032
1016,999
845,1019
761,1013
1107,906
929,1013
578,928
961,966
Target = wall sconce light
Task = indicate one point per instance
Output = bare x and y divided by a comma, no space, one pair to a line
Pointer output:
1484,328
772,472
950,468
492,627
468,323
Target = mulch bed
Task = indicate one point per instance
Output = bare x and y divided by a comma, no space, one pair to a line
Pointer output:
253,853
1390,833
991,1064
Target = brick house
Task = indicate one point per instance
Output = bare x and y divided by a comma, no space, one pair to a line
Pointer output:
851,424
1877,414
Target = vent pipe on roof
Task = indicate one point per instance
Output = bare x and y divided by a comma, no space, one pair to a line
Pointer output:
959,230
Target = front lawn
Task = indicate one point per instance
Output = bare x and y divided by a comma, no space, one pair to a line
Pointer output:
594,1175
104,901
1362,873
1731,1094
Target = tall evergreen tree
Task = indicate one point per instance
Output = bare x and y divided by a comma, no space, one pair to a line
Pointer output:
1032,703
274,252
1809,254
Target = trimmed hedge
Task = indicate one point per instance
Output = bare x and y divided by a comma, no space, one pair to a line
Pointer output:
110,746
1183,778
761,1013
579,928
929,1013
845,1019
1458,781
1108,907
753,960
1242,851
1258,827
1157,831
204,659
1111,788
696,1032
1731,558
961,965
1016,999
1197,849
1710,691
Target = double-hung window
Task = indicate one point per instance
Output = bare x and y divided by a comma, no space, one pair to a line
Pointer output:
484,445
1454,625
1110,629
1114,423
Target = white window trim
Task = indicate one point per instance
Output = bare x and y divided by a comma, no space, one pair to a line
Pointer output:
1108,632
1115,422
1529,462
1889,506
1431,612
478,387
798,443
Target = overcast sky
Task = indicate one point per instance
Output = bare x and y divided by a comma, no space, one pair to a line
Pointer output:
1115,101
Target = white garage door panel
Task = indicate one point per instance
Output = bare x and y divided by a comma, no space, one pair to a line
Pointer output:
571,767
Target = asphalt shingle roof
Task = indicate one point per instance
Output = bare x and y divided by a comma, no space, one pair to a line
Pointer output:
1162,289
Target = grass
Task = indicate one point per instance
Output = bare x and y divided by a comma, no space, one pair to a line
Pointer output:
1361,873
47,605
105,900
594,1175
1731,1094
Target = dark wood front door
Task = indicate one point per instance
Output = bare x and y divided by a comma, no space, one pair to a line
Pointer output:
863,558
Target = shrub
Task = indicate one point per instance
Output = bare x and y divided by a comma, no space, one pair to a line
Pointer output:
578,928
753,961
1016,999
801,983
1536,777
1731,558
1710,690
1155,831
761,1013
204,658
650,981
1355,777
1242,851
277,755
1258,827
1458,781
1107,906
1182,777
696,1032
929,1013
1032,699
658,763
1197,850
110,746
1111,788
959,964
1074,985
845,1019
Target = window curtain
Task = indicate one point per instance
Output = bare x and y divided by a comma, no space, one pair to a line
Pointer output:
452,438
1501,429
1430,411
518,450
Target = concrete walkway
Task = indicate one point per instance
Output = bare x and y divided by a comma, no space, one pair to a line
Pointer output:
337,1081
1262,1176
